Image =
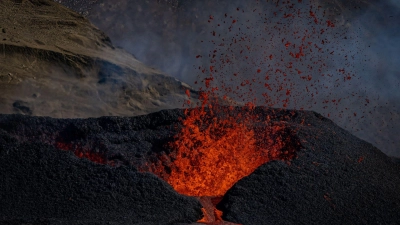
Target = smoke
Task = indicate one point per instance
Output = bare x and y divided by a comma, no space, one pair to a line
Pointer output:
83,7
376,32
338,58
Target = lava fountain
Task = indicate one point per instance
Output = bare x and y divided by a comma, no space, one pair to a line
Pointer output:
216,145
214,150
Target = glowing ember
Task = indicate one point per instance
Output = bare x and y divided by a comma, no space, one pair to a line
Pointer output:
81,152
211,214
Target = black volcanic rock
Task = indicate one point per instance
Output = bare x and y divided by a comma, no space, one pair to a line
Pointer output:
336,179
43,184
123,140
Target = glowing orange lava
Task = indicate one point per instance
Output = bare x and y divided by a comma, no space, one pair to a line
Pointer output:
81,152
214,150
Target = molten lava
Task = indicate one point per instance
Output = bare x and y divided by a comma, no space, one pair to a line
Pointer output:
213,154
81,152
215,149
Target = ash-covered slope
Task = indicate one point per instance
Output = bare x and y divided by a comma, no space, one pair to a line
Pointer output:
335,179
54,62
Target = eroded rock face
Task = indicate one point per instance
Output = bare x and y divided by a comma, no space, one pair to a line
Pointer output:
54,62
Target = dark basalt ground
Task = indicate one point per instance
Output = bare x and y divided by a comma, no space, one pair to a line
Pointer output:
335,179
41,183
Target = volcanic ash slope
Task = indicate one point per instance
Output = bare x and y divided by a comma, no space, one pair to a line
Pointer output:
54,62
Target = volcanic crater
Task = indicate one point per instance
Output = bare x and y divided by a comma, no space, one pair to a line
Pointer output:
75,170
209,163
